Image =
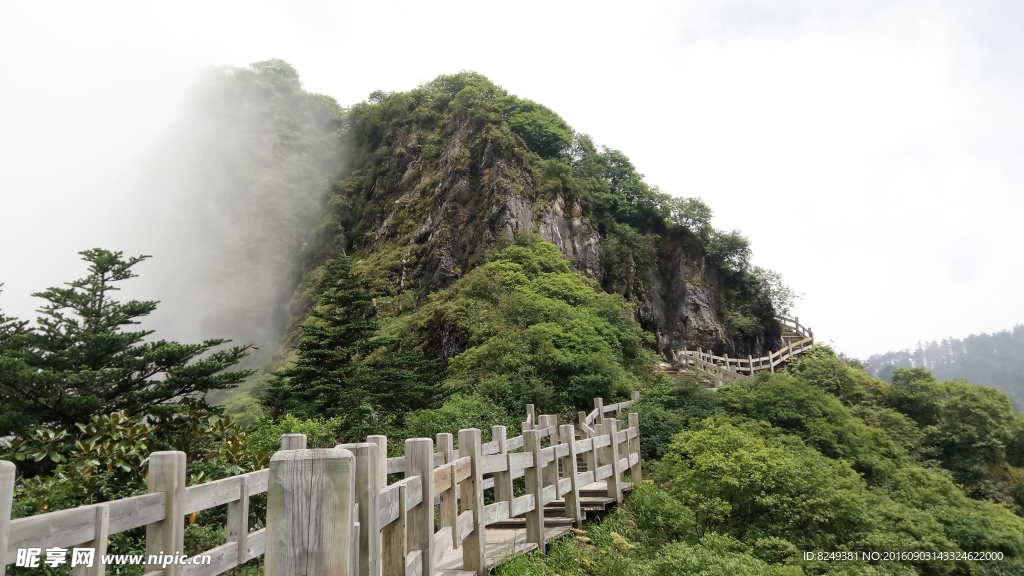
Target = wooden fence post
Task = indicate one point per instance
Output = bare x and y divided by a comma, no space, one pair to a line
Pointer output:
238,521
634,448
623,447
590,457
615,480
293,442
535,486
393,536
167,474
367,491
599,405
8,473
309,513
583,421
99,541
551,471
419,461
382,459
474,547
98,544
394,541
531,418
448,510
635,396
572,497
503,480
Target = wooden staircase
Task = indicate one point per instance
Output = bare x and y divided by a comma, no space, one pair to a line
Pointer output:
594,500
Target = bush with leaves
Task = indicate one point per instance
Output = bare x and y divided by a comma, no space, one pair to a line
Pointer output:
532,331
460,412
265,434
107,458
668,407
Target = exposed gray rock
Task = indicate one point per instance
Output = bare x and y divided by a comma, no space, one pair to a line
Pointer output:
575,237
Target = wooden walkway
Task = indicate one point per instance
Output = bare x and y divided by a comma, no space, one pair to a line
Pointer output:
718,370
331,512
507,538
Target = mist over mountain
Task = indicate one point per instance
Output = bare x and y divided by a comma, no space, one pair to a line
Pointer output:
227,200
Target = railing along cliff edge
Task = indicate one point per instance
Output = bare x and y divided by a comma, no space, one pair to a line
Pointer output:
722,369
332,512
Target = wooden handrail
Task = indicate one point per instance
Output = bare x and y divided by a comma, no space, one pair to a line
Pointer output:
400,512
722,368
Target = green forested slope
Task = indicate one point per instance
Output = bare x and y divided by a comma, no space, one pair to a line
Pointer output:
529,330
822,458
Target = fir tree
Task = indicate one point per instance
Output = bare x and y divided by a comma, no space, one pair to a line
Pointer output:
10,328
344,369
80,361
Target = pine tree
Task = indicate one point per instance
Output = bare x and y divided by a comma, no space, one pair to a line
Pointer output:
80,361
344,369
10,328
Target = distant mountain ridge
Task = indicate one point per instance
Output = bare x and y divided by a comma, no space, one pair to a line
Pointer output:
995,360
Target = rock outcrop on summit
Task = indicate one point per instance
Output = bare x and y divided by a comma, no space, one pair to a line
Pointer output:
449,169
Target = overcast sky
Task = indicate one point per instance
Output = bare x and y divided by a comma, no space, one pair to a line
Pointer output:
872,151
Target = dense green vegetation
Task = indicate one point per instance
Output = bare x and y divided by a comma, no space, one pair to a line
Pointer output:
988,359
537,333
533,330
819,458
86,400
346,370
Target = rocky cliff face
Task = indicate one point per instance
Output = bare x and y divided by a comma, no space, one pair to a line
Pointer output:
430,199
674,296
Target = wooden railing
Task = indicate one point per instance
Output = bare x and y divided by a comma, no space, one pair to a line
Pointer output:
723,369
596,416
331,511
795,325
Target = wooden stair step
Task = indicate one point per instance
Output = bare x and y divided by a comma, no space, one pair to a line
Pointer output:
586,503
588,491
520,523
